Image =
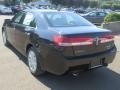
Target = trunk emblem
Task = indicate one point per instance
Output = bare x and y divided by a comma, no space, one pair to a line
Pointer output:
97,40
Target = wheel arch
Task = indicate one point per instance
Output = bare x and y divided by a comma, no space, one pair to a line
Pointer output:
3,28
41,62
4,25
28,47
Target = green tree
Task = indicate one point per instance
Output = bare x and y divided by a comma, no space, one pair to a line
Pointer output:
94,4
27,1
86,3
57,2
106,6
116,6
69,3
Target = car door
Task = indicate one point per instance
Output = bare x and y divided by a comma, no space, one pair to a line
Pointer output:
92,17
11,28
100,17
22,32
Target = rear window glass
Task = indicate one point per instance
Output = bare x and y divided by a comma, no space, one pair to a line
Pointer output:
65,19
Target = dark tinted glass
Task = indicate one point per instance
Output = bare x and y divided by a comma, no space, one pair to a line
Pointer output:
65,19
28,20
17,18
32,23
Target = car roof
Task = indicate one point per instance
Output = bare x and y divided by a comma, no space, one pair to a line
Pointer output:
42,10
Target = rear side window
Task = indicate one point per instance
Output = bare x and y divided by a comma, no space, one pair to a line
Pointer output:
29,20
17,18
32,23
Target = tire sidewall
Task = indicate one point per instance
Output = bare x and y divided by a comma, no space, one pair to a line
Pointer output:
38,70
5,43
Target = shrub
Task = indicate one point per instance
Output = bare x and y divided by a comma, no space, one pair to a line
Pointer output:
106,6
116,6
112,17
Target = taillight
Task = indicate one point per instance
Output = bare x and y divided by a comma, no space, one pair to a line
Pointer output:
107,38
72,41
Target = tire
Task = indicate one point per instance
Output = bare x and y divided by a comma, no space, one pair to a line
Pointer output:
4,36
34,64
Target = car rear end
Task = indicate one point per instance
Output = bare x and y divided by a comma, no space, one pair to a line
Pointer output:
83,51
78,47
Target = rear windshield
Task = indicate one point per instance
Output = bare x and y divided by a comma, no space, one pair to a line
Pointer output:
65,19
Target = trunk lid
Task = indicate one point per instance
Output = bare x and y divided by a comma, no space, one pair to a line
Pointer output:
85,31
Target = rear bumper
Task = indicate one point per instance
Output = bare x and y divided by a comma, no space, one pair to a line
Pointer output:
57,64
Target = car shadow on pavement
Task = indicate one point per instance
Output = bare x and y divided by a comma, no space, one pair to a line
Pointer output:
99,79
19,55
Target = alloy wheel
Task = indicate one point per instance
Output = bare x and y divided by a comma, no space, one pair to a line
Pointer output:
4,37
32,61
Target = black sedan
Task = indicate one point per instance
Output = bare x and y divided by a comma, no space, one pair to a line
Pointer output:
58,41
